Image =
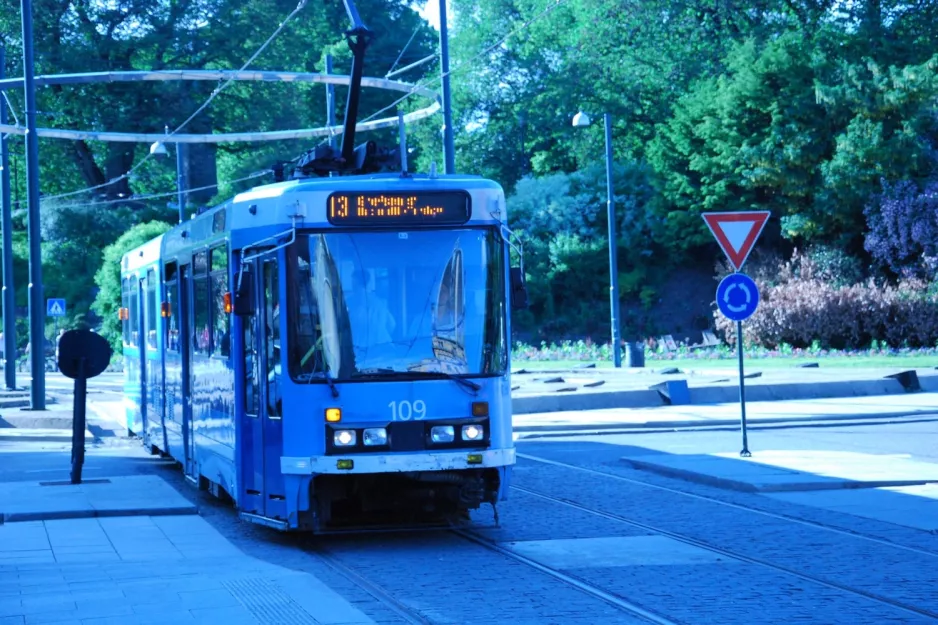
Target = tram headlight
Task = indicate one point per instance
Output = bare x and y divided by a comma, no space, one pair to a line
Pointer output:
344,438
372,437
472,432
442,434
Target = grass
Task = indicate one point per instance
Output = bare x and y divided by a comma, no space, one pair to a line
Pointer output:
843,362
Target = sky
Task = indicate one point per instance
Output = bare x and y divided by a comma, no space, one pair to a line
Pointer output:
431,11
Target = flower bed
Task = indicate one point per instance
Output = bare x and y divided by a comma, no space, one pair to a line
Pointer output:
588,351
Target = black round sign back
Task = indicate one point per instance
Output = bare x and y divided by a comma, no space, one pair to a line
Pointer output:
76,344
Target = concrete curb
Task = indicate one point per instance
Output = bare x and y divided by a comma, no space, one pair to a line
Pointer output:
40,436
703,422
715,394
56,515
746,487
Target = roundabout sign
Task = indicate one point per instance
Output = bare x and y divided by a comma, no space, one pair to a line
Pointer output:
216,75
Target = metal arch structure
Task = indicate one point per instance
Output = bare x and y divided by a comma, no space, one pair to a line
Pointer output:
217,75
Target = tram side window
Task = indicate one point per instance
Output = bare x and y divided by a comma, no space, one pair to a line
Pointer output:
272,305
252,361
125,303
171,323
134,313
152,319
201,328
221,344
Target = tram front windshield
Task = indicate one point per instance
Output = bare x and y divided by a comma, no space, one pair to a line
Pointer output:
394,304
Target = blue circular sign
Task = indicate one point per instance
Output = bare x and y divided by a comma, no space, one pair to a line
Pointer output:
737,297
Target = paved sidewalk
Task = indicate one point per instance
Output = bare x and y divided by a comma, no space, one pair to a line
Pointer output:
728,414
95,497
888,487
148,570
137,569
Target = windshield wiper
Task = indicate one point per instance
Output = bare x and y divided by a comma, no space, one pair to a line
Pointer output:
331,383
390,374
328,378
447,376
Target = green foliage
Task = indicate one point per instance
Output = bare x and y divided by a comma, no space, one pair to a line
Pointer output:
108,277
562,219
750,139
805,309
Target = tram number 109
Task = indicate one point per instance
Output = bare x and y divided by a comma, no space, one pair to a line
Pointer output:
405,410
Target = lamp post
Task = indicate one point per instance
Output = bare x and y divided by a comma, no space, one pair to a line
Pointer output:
9,305
581,120
159,149
37,312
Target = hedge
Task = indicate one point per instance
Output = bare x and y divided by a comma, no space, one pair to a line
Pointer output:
800,311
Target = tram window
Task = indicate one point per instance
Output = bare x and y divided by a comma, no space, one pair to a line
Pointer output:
134,322
251,362
172,322
221,341
201,329
221,344
200,263
272,305
220,259
169,272
125,303
151,321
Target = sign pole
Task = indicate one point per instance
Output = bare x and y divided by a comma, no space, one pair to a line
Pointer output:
742,388
738,294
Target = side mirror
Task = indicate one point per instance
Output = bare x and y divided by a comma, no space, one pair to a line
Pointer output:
244,297
519,291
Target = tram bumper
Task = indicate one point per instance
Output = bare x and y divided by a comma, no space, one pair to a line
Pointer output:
397,462
334,491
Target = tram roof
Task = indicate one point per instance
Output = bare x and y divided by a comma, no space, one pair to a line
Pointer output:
143,255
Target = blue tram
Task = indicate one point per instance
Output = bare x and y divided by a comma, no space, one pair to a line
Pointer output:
330,352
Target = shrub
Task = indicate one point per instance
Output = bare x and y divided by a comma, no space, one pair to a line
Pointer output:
802,308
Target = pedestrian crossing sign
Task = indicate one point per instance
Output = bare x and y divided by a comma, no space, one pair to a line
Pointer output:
55,307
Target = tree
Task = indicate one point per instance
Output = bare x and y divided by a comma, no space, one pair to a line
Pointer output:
108,277
903,229
751,139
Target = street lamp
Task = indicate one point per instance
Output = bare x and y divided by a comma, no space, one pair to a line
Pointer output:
159,149
581,120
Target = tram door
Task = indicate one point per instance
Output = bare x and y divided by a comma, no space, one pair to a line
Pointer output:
185,349
262,443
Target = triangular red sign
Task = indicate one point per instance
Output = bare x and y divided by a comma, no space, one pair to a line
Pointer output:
737,233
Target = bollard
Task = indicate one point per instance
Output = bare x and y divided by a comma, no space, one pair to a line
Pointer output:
82,355
78,421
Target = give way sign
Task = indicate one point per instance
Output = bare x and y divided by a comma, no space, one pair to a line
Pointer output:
737,233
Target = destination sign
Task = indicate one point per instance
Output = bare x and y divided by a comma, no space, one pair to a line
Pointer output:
414,208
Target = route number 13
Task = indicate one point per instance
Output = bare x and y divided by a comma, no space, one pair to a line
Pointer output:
405,410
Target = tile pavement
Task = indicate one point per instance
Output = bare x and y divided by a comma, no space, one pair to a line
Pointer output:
141,570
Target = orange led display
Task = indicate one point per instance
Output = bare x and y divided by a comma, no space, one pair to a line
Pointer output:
398,209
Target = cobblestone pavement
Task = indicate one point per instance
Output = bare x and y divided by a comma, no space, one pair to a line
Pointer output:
440,577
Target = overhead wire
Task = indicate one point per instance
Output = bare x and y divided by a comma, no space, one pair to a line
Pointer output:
403,50
156,196
214,94
461,67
